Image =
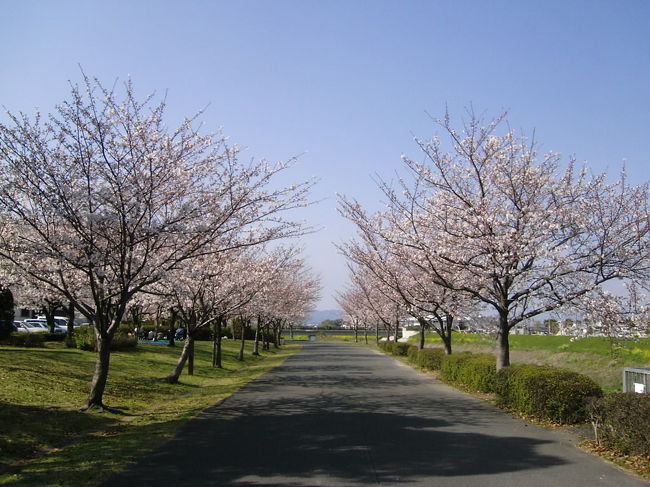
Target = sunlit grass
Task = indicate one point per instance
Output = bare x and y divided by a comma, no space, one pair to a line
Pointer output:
45,440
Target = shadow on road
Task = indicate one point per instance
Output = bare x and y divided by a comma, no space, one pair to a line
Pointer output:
333,419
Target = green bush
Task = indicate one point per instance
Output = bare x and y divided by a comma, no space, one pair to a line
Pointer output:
30,340
385,346
476,371
54,337
204,334
400,349
6,329
412,355
85,339
622,422
430,358
546,392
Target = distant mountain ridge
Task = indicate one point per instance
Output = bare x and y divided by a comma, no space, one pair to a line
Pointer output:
315,317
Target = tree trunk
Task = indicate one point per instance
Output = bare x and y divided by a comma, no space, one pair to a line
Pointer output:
190,357
216,360
242,343
277,332
377,332
172,329
446,340
173,378
365,333
503,354
69,339
266,339
102,362
49,317
356,333
256,347
422,332
214,343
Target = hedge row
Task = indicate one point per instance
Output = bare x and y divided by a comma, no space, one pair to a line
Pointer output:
476,371
32,340
398,349
85,339
544,392
622,421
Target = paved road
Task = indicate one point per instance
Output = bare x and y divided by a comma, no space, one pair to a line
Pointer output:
339,415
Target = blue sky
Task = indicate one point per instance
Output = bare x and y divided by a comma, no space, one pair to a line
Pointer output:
346,84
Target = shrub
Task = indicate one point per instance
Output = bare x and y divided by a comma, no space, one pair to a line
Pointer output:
546,392
30,340
54,337
622,422
385,346
430,358
412,355
476,371
400,349
6,329
123,341
85,339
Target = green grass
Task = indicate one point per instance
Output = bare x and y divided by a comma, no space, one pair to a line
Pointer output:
600,358
45,440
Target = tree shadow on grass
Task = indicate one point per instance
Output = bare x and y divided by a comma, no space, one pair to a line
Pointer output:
93,458
29,431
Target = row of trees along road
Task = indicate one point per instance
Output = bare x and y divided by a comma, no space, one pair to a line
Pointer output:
105,207
487,222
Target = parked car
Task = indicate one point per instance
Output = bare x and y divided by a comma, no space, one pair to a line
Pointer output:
22,327
61,321
43,325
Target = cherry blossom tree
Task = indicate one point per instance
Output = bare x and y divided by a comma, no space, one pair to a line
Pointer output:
353,302
376,301
409,275
489,218
616,314
516,232
202,292
290,292
101,200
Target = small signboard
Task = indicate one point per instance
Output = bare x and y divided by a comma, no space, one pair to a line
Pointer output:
636,379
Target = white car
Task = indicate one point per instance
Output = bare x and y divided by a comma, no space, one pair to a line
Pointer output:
21,327
42,324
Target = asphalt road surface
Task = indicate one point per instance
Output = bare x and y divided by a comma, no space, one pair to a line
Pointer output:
339,415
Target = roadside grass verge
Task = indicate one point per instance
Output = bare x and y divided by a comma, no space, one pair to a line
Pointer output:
45,440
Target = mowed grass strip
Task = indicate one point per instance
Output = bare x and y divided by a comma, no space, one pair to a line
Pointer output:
45,440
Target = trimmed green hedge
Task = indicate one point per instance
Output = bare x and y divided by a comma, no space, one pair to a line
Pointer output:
430,358
476,371
31,340
412,355
383,346
546,392
622,421
85,339
398,349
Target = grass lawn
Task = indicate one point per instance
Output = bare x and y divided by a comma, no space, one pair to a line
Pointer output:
600,358
45,440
